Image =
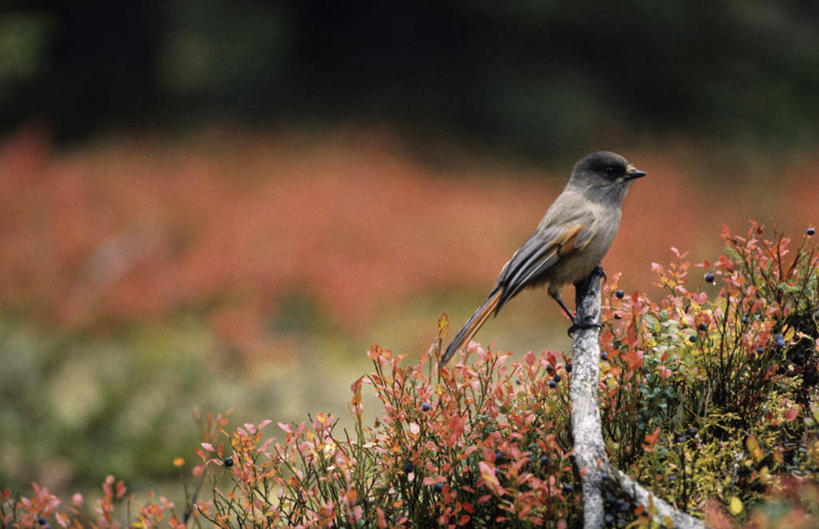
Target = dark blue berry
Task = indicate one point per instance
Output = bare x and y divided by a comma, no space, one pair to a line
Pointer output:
709,277
604,356
744,319
517,381
692,339
557,378
228,461
438,487
702,326
619,293
810,231
692,430
569,367
760,350
544,460
604,477
552,384
408,467
425,406
498,457
780,340
550,369
42,521
568,487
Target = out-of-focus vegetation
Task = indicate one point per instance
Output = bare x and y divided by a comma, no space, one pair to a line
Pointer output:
142,278
532,77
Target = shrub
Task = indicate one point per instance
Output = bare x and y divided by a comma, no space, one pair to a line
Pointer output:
709,399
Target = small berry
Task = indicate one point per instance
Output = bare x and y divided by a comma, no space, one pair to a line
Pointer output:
619,293
544,460
604,477
552,384
568,487
228,461
498,457
760,350
702,326
810,231
744,320
425,406
780,340
709,277
557,378
42,521
692,339
569,367
408,467
438,487
550,369
517,381
604,355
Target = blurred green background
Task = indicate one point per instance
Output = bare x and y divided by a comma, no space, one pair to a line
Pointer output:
223,204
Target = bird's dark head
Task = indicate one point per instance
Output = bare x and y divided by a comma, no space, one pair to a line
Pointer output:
607,171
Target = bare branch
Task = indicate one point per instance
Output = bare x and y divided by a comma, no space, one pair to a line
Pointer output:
590,453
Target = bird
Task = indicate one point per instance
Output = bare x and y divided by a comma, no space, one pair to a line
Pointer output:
568,244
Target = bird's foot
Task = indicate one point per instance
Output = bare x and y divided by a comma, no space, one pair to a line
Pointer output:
598,271
578,325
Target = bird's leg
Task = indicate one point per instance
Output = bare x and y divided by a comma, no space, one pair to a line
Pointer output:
556,297
575,324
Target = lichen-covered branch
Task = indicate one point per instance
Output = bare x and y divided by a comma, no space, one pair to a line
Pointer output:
590,453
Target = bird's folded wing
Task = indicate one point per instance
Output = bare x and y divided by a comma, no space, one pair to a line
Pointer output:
541,252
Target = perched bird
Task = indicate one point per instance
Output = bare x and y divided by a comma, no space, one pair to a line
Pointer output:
569,242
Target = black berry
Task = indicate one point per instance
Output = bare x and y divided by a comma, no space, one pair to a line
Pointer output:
438,487
498,457
425,406
569,367
568,487
604,355
692,339
709,277
552,384
619,293
42,521
744,319
760,350
779,340
228,461
557,378
408,467
810,231
702,326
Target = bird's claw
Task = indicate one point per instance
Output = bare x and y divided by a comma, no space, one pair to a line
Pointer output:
598,271
578,325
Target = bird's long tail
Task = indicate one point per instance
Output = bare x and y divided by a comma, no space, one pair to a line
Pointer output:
474,323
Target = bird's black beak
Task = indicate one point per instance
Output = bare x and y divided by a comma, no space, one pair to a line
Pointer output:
633,173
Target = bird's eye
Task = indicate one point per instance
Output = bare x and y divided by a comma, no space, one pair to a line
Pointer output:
610,170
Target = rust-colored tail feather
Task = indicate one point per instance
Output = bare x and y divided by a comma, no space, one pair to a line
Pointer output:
473,324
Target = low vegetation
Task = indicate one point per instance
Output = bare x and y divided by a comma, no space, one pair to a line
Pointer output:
710,400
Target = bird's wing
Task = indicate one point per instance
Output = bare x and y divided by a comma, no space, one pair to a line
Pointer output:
543,250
